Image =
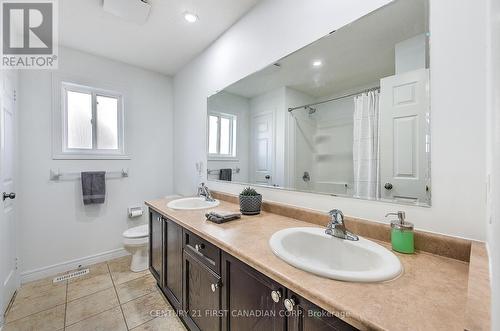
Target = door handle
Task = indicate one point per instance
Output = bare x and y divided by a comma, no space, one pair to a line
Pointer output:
10,195
388,186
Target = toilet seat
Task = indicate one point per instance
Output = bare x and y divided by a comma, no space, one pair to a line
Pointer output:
137,231
138,235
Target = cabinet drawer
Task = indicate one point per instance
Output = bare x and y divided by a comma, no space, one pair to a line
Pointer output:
206,252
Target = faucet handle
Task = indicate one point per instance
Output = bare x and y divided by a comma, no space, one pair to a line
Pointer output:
400,214
334,213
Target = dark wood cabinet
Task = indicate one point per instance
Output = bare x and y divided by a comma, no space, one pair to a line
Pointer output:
156,246
172,239
202,297
305,316
213,291
251,300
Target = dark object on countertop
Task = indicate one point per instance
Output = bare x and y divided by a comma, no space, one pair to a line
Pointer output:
226,174
222,216
93,187
250,202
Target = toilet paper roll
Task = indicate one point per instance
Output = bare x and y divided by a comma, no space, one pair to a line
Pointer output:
135,213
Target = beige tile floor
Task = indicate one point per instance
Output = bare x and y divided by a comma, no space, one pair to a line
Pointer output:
109,298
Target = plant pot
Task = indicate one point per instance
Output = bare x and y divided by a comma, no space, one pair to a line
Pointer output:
250,205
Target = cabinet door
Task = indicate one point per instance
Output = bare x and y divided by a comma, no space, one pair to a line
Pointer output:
248,299
156,246
201,295
173,263
305,316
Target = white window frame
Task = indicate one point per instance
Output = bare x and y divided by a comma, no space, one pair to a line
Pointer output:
233,120
63,152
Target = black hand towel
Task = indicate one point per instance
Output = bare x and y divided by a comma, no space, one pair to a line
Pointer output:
93,187
226,174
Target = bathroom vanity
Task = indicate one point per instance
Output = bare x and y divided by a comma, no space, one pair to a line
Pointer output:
226,277
213,290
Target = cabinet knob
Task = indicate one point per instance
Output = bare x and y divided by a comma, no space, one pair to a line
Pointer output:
214,287
199,247
289,304
276,296
388,186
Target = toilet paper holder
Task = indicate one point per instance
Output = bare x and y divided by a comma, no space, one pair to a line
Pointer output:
136,211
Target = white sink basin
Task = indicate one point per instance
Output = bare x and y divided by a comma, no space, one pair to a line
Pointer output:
192,203
312,250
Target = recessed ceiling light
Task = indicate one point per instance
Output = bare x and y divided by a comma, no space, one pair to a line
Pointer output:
190,17
317,63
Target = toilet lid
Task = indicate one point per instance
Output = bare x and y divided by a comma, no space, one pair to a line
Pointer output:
137,231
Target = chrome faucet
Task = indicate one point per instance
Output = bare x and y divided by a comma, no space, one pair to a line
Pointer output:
336,226
203,191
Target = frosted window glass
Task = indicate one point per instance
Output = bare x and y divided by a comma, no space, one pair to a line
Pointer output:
213,128
79,120
225,135
107,122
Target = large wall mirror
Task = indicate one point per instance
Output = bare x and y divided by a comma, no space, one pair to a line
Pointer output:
348,115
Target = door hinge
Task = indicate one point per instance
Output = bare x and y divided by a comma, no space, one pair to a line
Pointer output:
15,95
16,262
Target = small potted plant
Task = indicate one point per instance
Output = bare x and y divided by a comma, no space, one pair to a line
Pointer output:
250,202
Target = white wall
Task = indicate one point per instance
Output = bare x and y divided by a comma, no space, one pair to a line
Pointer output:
299,154
493,220
334,164
275,28
225,102
54,225
410,54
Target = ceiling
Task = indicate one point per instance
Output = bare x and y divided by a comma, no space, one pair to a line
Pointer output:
356,55
165,43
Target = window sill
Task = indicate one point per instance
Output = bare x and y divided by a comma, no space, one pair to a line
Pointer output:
228,159
90,157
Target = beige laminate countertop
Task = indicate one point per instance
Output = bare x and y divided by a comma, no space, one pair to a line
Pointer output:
431,294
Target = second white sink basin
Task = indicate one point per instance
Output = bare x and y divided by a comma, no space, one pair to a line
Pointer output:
312,250
192,203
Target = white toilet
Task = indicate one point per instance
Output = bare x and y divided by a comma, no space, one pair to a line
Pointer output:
136,241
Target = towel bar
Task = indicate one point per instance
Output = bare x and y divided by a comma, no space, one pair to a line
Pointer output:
57,175
216,171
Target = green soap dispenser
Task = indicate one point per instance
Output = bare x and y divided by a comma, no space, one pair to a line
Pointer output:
402,237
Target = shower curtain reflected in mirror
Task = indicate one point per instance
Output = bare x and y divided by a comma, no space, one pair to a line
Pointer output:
366,145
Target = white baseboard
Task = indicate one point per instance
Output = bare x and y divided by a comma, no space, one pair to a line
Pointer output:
52,270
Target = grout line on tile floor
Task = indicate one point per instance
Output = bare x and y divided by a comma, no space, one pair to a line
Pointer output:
117,297
135,327
9,306
66,305
140,296
38,312
90,316
87,295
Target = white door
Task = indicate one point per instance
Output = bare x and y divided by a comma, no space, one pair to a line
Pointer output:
404,138
9,280
262,148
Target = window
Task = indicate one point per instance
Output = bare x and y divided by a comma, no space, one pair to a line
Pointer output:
221,135
92,121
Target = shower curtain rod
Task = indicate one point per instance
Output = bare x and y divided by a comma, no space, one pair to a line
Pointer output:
337,98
